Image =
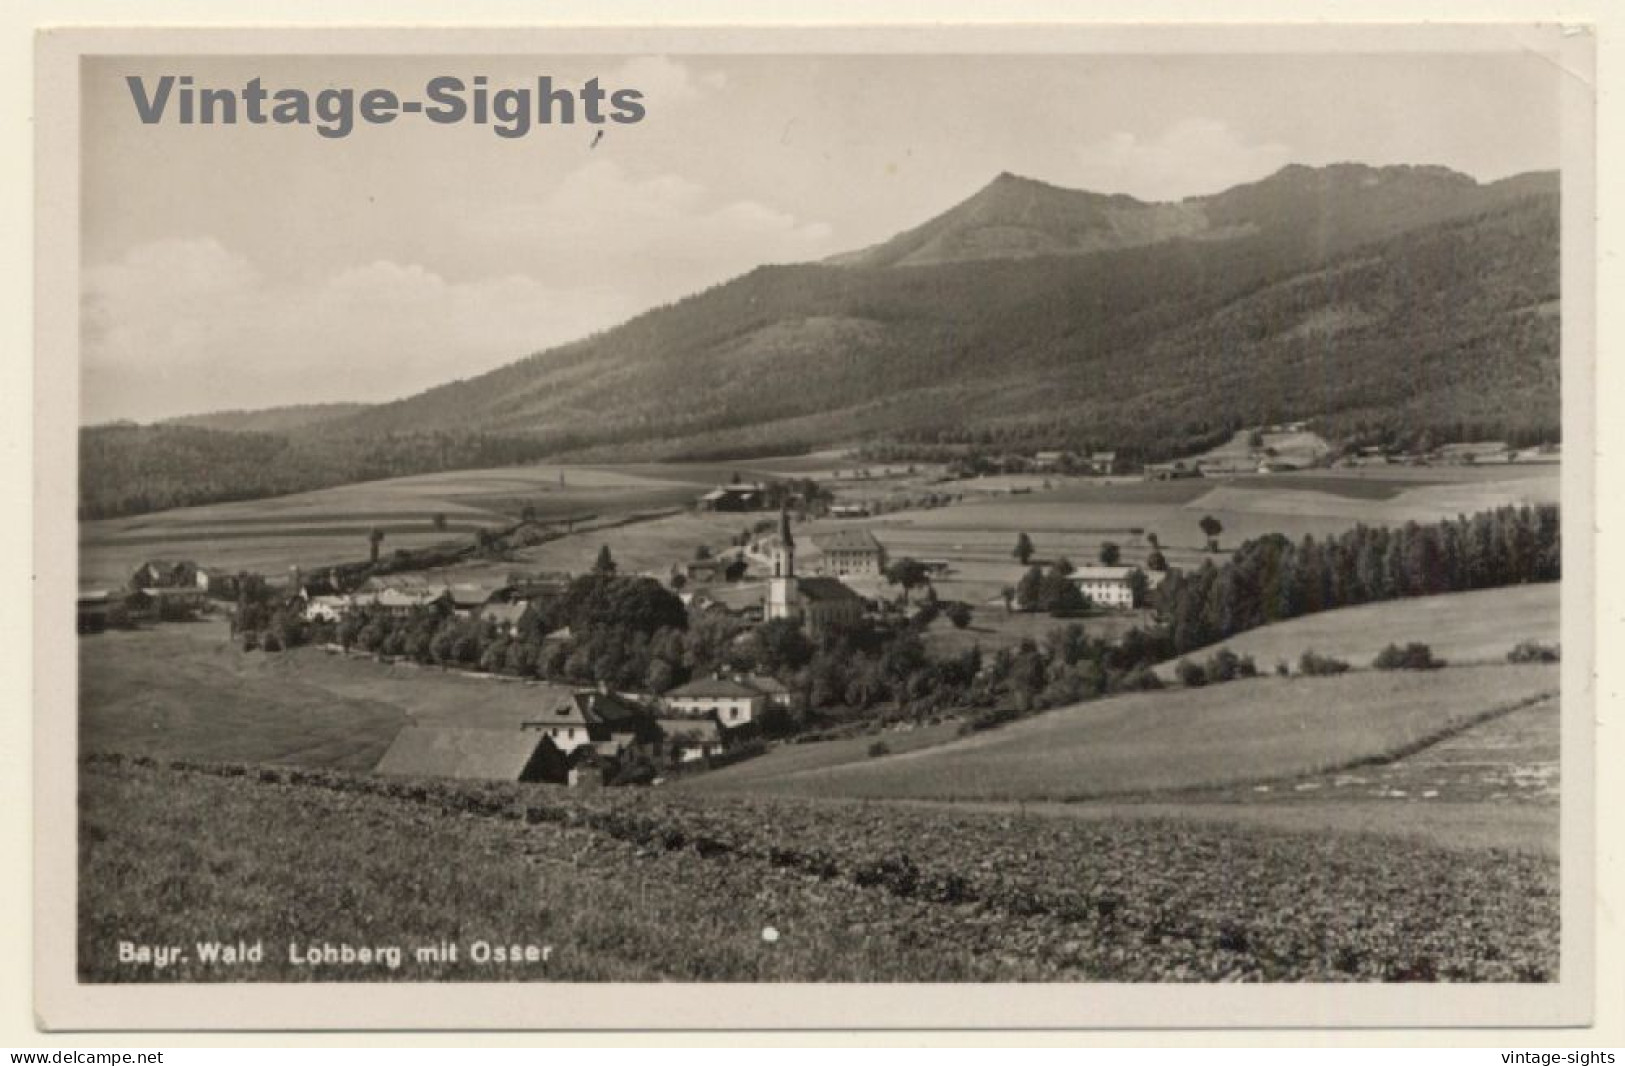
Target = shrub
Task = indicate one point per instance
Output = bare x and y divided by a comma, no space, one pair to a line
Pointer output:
1314,665
1225,665
1530,651
1190,674
1282,669
1412,656
1140,679
878,748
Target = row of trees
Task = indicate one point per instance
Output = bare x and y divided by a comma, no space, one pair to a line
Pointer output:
1272,578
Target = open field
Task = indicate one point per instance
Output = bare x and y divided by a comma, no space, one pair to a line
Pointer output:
186,691
1076,515
330,526
1528,828
1508,761
1072,518
1460,627
647,886
1244,732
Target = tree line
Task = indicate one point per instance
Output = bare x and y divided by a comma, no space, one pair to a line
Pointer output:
1271,578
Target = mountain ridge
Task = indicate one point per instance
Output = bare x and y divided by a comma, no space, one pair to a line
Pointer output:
800,341
1016,216
1378,302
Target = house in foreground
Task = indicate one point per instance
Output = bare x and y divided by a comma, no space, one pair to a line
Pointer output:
733,703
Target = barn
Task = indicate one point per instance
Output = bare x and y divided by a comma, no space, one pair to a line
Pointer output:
475,754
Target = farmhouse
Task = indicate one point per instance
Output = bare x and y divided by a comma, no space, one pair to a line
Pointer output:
688,739
704,569
849,510
157,573
734,703
398,602
602,722
741,497
564,721
1105,586
850,551
524,588
772,688
325,608
1101,464
1050,460
465,600
480,754
503,617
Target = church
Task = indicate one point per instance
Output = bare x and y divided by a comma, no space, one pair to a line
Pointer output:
817,603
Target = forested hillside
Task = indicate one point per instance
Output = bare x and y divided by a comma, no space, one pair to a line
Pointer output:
1142,348
1400,301
128,469
271,419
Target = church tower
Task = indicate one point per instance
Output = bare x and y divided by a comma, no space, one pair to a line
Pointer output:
782,598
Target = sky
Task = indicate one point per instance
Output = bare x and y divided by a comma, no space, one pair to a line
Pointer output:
246,266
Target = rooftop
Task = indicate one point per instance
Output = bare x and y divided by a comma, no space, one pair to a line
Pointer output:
826,590
848,540
440,751
1101,573
702,729
714,688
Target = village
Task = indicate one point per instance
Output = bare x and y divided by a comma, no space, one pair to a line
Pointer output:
811,590
722,653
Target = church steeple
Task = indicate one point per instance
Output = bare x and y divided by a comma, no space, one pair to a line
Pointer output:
783,597
787,547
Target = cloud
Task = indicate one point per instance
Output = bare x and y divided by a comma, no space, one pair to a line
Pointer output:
187,325
1193,157
601,217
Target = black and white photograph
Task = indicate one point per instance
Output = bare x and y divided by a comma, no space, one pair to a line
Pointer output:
799,511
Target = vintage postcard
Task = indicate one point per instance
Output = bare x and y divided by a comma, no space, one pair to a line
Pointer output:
1029,526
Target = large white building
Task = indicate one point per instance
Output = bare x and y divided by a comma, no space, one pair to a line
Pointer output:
1105,586
850,552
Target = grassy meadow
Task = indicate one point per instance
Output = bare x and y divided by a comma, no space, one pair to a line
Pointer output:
1247,731
1460,627
187,691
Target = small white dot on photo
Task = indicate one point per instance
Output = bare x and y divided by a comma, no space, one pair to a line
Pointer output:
770,934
